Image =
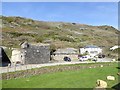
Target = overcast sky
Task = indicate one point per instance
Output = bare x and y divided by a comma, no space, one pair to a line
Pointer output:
92,13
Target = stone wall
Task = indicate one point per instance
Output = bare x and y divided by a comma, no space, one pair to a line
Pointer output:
36,54
39,71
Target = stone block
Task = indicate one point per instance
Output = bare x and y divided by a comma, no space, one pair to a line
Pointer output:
110,78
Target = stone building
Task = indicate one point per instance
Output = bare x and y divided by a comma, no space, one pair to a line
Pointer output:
31,54
59,54
17,56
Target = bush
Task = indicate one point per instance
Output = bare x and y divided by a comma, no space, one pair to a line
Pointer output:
118,59
39,39
15,34
9,19
116,50
63,38
50,34
52,49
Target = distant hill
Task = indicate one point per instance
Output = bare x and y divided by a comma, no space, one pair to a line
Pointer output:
59,34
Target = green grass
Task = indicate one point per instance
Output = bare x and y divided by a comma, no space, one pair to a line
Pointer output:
85,78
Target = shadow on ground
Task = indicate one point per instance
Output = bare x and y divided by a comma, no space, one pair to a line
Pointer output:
118,67
116,87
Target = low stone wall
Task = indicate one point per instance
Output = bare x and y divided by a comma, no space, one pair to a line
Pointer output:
43,70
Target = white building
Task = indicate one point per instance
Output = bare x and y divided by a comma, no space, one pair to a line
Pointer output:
114,47
91,50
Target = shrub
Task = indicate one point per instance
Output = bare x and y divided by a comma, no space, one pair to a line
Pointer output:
15,34
63,38
116,51
52,48
9,19
49,34
39,39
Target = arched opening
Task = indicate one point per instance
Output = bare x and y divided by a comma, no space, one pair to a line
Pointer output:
4,60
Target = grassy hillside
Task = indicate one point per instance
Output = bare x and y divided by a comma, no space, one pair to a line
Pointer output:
60,34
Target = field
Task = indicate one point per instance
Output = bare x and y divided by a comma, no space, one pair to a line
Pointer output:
85,78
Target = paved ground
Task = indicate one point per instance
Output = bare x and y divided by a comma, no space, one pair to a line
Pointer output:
30,66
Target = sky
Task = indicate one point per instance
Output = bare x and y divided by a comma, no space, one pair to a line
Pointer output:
92,13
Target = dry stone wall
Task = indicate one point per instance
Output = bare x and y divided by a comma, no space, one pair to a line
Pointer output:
39,71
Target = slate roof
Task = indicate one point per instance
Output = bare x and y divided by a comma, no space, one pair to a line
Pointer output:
91,46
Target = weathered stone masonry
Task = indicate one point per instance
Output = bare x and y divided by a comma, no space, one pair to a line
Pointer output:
36,54
31,54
